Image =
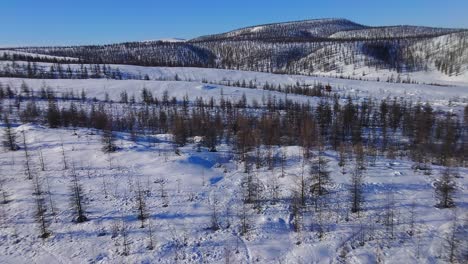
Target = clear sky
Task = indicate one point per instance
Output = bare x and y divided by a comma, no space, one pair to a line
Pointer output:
66,22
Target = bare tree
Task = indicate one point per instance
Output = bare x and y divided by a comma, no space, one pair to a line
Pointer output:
360,156
244,219
64,157
250,188
227,215
214,225
77,198
258,155
162,191
422,160
9,141
41,160
273,189
4,193
445,189
270,158
342,155
115,229
141,205
150,236
372,155
180,241
412,218
296,211
320,175
27,158
108,140
356,190
125,242
227,254
418,246
49,195
302,184
389,213
320,217
203,177
37,184
452,242
41,217
104,186
283,159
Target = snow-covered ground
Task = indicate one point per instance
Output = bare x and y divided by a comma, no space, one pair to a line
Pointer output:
98,88
197,182
194,181
191,83
431,76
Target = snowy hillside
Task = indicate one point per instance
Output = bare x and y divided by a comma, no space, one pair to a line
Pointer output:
191,79
392,32
315,28
309,47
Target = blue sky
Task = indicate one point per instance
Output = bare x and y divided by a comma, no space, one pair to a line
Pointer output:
66,22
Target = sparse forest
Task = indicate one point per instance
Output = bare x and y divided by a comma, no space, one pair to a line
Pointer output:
336,132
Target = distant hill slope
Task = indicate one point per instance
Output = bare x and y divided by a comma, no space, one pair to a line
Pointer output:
393,32
302,30
321,46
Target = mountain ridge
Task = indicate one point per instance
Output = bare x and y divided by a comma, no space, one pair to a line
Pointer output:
303,25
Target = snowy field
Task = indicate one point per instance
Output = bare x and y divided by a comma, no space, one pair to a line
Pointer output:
191,83
194,182
182,191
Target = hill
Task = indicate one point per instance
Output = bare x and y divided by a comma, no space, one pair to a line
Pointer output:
333,47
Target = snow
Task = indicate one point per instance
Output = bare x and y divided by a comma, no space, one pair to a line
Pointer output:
195,180
270,241
256,29
431,76
454,91
98,88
